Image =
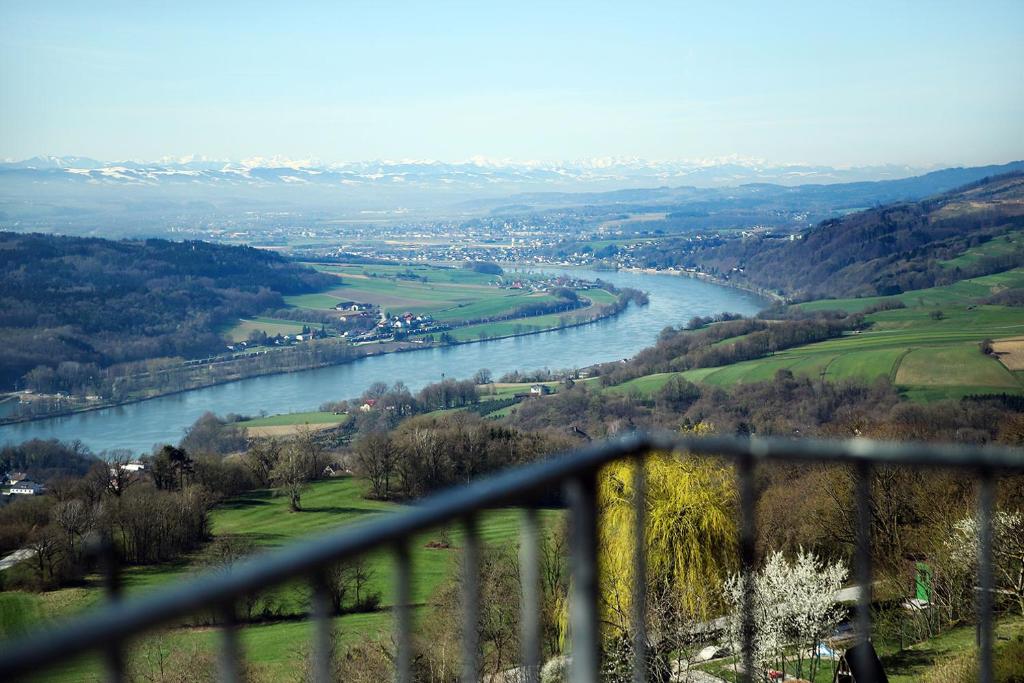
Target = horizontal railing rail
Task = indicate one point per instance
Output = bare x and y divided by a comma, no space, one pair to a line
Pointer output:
109,629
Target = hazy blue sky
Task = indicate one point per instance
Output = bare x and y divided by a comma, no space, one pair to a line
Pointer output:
868,82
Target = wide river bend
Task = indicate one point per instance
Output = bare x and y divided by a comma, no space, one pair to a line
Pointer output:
138,426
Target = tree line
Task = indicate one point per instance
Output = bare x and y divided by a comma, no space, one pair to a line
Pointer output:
96,301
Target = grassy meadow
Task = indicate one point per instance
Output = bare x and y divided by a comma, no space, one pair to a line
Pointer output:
287,424
450,295
999,246
960,293
447,294
264,519
272,326
926,357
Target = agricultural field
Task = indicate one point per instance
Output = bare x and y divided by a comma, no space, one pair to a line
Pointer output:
447,294
537,323
927,358
271,326
287,424
264,519
435,274
1010,353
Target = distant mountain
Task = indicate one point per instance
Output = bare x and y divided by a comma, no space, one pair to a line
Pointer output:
842,194
885,250
81,195
478,174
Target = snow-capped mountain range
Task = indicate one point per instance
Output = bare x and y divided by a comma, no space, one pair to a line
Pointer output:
472,176
82,195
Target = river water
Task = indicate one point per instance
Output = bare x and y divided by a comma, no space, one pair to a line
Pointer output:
138,426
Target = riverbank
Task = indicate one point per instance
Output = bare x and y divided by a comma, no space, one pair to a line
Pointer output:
768,295
395,347
765,294
355,352
138,426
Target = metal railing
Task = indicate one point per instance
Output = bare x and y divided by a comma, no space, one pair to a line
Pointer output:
110,629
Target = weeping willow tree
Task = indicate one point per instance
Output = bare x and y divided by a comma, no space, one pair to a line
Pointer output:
690,538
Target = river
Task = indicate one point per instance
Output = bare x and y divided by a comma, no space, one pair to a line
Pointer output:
138,426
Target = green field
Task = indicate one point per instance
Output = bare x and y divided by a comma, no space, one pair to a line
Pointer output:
537,323
271,326
449,295
959,293
263,518
999,246
433,274
445,302
313,417
926,358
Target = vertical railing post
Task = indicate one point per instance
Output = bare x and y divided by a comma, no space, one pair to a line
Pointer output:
230,651
111,569
530,605
748,559
986,495
471,603
639,614
862,492
403,617
322,646
581,492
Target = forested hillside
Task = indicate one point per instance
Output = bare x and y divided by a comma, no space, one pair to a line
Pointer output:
882,251
96,302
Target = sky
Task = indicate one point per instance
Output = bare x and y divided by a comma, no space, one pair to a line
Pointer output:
844,84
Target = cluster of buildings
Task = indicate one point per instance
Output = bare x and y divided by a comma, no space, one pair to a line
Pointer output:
353,311
392,326
18,484
308,334
546,283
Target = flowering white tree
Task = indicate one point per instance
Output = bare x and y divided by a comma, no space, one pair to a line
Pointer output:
1007,552
794,605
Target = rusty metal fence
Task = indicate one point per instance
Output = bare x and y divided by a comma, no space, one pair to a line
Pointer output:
110,629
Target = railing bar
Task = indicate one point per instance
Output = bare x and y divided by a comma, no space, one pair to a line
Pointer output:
471,602
114,654
862,491
114,664
986,495
35,652
639,569
748,559
322,646
529,571
583,597
229,658
403,617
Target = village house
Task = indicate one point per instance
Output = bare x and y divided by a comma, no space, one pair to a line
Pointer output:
26,488
133,467
540,390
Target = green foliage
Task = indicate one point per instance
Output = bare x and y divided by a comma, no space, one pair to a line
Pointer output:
885,250
95,301
690,533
